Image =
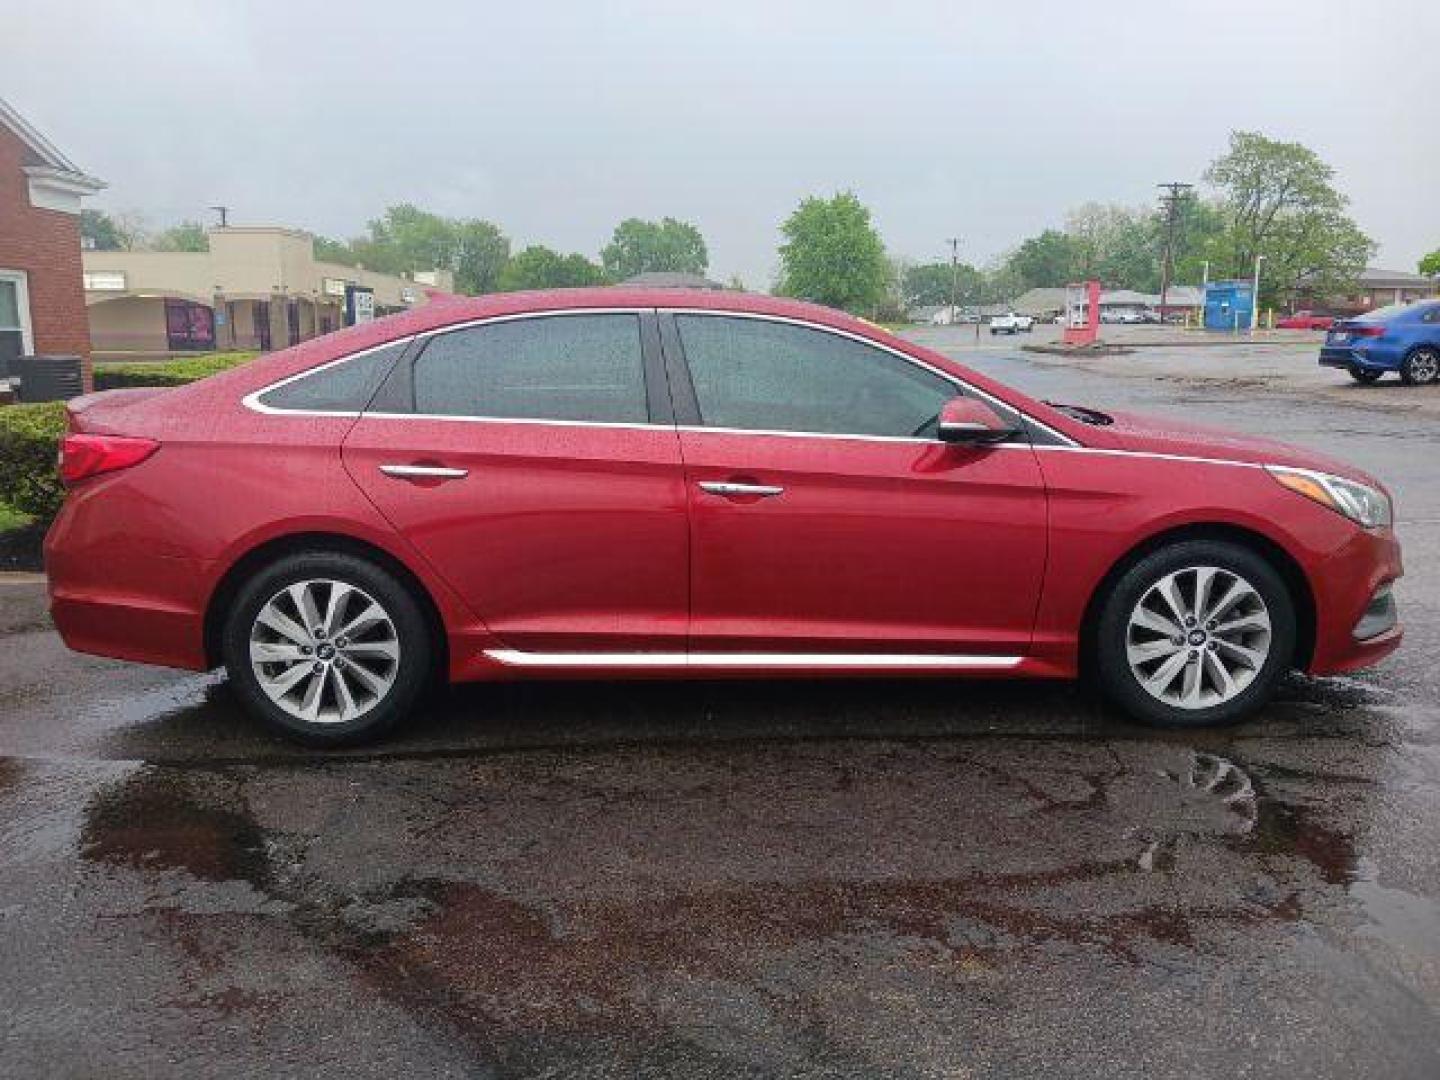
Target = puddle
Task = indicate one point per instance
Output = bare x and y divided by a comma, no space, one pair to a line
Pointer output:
161,819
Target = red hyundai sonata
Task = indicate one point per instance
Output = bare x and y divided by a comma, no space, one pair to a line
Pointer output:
656,483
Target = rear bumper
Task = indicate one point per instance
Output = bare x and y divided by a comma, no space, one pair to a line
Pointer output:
113,594
1367,359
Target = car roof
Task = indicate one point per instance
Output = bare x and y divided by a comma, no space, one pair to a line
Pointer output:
448,310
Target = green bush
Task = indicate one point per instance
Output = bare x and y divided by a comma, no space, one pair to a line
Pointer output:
123,376
29,446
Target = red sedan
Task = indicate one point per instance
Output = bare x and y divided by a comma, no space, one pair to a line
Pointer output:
1305,320
659,483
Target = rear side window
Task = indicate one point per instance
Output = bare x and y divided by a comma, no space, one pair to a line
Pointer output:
552,367
346,386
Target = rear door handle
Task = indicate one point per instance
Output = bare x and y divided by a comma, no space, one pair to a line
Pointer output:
424,472
730,489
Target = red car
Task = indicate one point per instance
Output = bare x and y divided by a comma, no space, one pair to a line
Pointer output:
658,483
1305,320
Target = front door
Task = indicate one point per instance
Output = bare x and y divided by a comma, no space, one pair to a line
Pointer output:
826,517
529,462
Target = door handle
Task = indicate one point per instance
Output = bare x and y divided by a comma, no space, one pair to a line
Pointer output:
424,472
730,489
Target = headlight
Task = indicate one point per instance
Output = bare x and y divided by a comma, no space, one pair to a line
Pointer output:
1361,503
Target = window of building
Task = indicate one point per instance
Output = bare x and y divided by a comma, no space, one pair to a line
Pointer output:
554,367
344,387
189,327
14,318
758,375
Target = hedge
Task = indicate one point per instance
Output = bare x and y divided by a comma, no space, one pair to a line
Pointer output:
123,376
29,445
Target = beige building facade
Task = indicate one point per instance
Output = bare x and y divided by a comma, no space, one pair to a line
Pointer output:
256,288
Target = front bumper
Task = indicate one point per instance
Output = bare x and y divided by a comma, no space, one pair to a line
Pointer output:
1356,619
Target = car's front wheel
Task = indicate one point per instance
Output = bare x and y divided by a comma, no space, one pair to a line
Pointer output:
1195,633
1364,375
1421,367
327,648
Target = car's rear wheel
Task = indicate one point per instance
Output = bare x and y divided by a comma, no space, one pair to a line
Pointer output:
1196,633
327,648
1364,375
1421,367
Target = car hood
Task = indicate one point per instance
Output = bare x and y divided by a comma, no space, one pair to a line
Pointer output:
1162,435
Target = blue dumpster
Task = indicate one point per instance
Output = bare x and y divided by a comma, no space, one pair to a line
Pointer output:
1229,305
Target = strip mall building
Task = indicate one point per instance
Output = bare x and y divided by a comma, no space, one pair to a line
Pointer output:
256,288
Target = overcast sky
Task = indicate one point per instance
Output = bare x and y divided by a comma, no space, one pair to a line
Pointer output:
555,121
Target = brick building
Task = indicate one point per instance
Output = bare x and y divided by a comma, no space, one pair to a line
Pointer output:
42,296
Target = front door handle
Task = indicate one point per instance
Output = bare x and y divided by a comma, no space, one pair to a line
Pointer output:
729,489
424,472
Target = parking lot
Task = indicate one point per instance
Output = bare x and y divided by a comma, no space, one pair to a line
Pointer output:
927,879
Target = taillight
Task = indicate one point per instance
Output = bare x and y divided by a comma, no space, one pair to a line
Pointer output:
83,456
1367,331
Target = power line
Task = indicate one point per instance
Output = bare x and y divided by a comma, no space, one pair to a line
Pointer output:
1175,191
954,243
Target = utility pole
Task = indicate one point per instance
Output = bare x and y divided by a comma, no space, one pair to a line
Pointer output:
954,243
1175,191
224,212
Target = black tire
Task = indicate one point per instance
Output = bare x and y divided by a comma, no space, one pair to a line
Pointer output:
1364,376
1421,367
410,676
1112,667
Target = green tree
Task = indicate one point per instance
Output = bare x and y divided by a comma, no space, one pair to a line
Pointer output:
186,236
1430,264
639,247
833,255
332,251
406,239
1279,200
538,267
1048,260
929,284
101,232
1118,245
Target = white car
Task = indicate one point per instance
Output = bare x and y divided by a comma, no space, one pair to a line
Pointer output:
1011,324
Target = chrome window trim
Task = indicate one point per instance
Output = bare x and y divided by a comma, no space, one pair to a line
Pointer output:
954,380
251,401
878,661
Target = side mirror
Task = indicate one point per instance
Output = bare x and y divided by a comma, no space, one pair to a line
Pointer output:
970,422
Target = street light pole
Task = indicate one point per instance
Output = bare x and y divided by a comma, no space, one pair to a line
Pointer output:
1204,288
1255,297
954,243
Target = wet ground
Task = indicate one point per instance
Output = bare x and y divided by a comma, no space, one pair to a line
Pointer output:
921,879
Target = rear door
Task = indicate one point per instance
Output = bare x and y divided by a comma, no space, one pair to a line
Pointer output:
826,517
534,463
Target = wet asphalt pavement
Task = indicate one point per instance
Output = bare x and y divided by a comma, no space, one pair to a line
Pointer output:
924,879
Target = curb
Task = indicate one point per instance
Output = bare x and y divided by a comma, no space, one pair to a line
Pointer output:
21,577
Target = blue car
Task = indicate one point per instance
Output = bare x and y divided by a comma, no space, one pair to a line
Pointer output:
1404,338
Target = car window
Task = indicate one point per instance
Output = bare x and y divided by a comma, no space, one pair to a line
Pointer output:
1432,314
554,367
758,375
346,386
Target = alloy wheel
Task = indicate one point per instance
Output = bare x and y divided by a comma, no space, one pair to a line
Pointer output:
1424,366
324,651
1198,637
